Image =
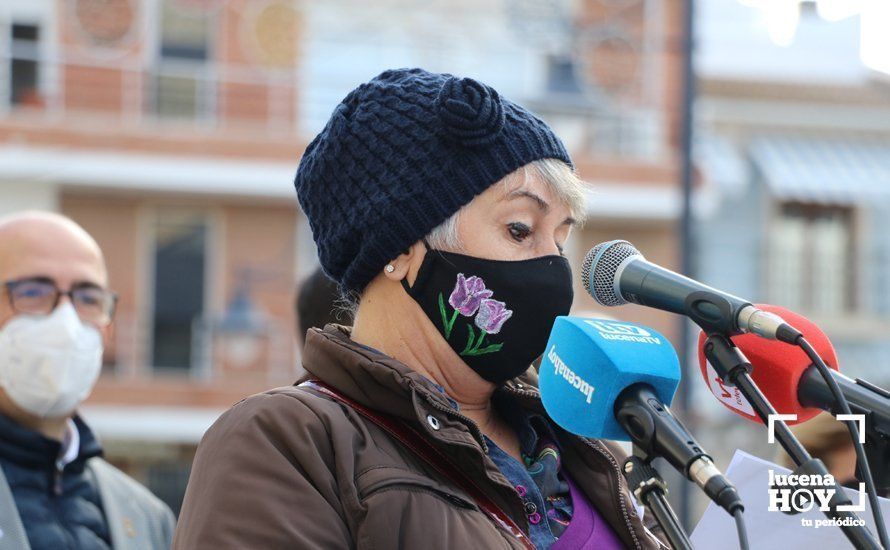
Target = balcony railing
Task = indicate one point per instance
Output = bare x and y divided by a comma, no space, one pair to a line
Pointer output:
603,130
129,92
264,356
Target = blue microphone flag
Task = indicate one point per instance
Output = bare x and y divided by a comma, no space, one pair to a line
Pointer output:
589,362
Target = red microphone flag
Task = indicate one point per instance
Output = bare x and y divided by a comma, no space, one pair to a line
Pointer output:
777,367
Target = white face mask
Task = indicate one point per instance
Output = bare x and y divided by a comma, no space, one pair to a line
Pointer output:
49,363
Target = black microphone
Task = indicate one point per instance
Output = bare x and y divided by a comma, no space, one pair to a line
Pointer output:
863,397
615,273
655,430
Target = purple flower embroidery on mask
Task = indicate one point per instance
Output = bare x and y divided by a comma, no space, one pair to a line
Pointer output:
468,293
492,315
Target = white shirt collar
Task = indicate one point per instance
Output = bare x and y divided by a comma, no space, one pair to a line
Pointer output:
70,445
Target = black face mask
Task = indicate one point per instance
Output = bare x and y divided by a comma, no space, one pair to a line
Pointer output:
496,315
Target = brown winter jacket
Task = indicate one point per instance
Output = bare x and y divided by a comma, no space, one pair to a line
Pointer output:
290,468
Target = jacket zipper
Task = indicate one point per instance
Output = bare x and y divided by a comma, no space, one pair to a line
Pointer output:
620,497
615,467
622,504
57,481
477,433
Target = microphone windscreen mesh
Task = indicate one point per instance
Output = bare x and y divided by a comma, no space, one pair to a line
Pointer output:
599,268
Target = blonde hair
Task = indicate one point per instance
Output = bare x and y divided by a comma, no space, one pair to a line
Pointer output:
557,176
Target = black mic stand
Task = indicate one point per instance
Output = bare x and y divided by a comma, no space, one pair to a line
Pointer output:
877,433
734,369
651,490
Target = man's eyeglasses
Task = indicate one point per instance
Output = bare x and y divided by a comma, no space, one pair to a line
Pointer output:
40,296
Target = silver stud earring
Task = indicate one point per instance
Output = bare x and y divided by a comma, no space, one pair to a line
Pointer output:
389,268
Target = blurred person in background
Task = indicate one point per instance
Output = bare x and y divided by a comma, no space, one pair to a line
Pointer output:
442,208
828,439
316,303
55,489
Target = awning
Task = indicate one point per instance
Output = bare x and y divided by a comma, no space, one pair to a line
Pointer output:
829,171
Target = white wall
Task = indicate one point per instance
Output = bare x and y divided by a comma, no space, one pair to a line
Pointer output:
351,41
733,41
20,195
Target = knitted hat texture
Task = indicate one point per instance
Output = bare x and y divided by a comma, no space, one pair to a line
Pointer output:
401,154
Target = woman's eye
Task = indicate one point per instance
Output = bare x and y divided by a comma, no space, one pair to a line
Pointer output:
519,231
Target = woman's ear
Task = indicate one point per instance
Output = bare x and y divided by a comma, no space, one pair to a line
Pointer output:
406,264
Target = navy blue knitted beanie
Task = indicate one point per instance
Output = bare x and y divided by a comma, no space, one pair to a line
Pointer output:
400,155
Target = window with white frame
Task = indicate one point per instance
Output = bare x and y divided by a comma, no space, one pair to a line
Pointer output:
180,253
812,258
182,82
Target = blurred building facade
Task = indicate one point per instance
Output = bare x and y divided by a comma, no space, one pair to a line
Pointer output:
171,130
794,139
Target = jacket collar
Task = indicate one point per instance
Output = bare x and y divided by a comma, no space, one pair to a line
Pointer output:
390,387
365,374
385,384
34,450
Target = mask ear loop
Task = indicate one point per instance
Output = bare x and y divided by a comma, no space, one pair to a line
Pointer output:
405,285
405,280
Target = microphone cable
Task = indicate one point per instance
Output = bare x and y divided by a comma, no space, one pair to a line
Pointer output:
738,515
864,468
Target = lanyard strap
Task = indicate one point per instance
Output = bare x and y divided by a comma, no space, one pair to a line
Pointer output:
422,447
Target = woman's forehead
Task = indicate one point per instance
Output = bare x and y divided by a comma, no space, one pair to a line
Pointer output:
552,186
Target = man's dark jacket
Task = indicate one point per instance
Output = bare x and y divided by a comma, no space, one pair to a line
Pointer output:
87,504
59,508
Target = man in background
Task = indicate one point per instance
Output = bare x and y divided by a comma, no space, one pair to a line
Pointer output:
55,310
316,304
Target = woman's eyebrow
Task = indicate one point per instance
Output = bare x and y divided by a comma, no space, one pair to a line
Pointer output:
542,204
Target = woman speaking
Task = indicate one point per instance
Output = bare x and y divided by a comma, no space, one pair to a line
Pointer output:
440,208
